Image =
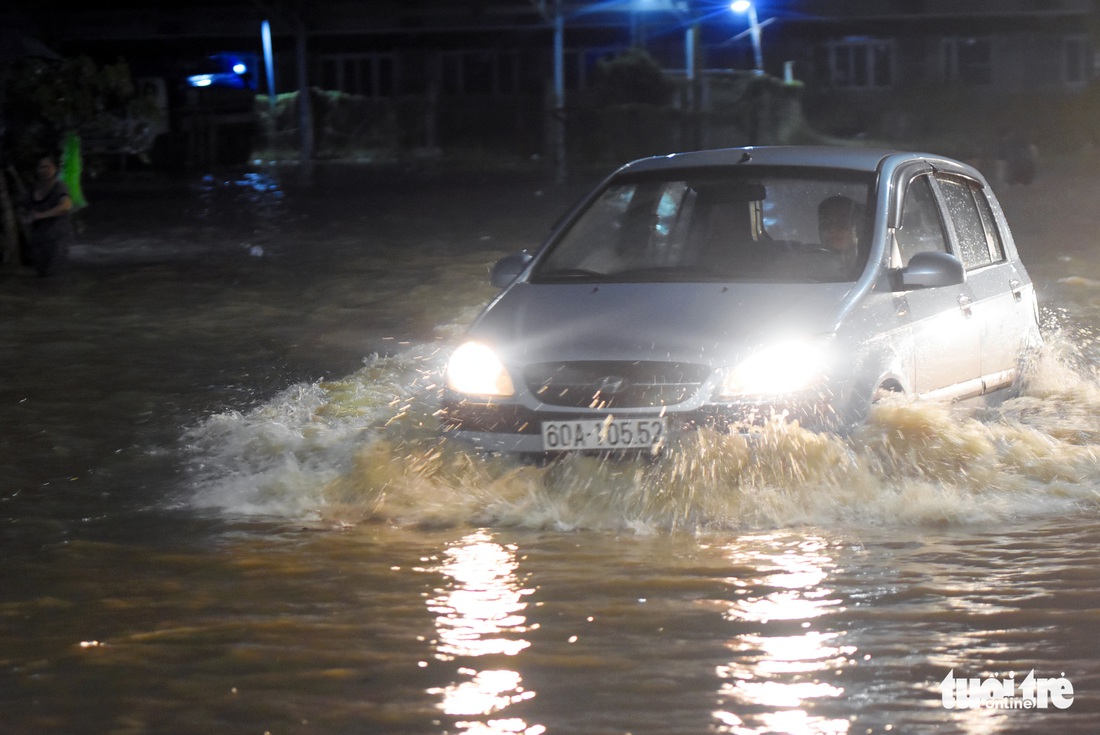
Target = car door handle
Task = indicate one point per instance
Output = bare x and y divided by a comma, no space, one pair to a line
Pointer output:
1017,291
965,304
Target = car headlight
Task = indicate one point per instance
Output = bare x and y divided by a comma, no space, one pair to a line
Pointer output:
781,368
475,369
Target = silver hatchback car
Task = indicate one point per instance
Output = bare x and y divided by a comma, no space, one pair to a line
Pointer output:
723,288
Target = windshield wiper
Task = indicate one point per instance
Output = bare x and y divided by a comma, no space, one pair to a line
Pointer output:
568,274
670,273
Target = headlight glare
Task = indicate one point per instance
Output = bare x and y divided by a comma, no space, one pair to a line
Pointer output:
474,369
779,369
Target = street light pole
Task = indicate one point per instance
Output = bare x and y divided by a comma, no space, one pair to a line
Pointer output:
691,96
744,6
757,50
689,62
559,94
269,63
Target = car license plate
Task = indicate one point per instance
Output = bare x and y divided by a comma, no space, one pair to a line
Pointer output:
603,434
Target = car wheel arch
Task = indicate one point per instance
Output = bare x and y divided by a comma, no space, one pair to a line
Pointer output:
887,387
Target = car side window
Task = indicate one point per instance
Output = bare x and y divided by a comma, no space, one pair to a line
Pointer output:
921,225
962,206
992,233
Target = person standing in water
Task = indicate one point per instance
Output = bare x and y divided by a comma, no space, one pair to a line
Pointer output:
47,206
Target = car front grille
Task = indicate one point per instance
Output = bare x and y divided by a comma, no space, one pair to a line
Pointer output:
600,384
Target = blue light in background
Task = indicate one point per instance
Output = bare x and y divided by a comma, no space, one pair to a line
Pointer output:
231,70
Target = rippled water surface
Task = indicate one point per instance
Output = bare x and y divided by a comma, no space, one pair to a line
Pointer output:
225,507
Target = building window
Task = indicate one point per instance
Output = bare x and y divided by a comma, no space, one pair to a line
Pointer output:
968,61
480,72
857,63
370,75
451,72
1075,61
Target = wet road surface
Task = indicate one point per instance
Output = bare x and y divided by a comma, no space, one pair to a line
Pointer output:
224,506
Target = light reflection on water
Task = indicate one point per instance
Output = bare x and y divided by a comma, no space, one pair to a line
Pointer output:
479,613
484,603
775,681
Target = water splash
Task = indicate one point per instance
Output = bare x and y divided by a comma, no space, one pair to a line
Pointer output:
368,449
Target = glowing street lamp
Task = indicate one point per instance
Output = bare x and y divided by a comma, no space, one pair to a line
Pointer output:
744,6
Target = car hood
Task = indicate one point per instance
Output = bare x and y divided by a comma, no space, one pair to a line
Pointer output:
704,323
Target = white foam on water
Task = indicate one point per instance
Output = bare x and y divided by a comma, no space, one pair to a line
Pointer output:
368,448
277,459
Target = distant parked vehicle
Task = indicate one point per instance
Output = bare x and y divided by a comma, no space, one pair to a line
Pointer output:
723,288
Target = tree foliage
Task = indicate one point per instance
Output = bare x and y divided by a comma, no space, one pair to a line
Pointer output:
44,99
632,78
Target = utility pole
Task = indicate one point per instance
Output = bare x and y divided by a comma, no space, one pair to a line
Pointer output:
555,114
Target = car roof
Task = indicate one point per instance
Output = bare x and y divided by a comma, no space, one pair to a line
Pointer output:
855,159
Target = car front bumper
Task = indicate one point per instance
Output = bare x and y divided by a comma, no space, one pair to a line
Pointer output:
513,428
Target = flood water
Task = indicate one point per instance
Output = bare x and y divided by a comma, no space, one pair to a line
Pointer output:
225,507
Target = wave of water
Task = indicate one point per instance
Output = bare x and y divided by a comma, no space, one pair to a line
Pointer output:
367,449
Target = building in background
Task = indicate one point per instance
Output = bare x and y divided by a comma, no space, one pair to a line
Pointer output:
490,65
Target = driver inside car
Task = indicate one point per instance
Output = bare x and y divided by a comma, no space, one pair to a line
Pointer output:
838,222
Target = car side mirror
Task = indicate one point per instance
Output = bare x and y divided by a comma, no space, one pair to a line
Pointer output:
508,268
932,269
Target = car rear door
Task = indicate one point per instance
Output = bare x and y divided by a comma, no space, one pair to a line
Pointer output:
997,287
946,336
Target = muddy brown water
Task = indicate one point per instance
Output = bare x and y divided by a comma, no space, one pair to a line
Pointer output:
224,506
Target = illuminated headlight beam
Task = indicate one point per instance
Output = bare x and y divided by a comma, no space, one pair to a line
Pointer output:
474,369
778,369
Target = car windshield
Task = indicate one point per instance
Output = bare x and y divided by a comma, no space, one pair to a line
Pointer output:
773,225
